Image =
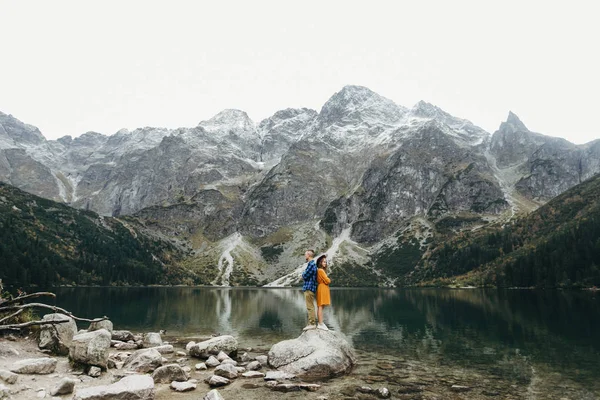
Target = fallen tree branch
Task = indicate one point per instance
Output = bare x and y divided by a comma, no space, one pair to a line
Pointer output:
25,297
16,327
53,308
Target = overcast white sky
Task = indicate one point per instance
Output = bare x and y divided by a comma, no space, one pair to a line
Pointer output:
74,66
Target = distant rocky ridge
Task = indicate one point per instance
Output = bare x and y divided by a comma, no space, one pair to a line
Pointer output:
364,179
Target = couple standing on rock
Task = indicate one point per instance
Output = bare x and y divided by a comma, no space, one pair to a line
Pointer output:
316,283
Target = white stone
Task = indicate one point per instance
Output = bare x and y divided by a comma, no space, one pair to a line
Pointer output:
94,372
183,386
165,349
216,380
212,361
189,346
40,366
201,367
134,387
104,324
253,374
253,366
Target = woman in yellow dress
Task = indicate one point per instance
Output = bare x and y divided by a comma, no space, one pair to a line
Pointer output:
323,296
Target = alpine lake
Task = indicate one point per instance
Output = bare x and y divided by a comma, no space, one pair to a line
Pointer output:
418,343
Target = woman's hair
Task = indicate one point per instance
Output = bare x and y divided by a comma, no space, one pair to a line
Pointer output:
320,259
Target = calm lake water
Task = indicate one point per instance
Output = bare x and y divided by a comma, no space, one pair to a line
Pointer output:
508,334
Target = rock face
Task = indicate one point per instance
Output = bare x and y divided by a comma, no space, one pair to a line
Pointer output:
226,343
314,355
57,338
135,387
40,366
143,361
91,348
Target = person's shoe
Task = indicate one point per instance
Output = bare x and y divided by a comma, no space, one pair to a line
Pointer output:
308,327
323,327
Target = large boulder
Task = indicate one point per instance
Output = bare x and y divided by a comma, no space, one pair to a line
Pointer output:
143,361
152,339
57,337
169,373
104,324
39,366
314,355
134,387
91,348
214,346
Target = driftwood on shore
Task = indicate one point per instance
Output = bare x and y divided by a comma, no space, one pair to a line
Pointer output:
17,306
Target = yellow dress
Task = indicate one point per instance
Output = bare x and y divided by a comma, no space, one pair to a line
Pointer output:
323,296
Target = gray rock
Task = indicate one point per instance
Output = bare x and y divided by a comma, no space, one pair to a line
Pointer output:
263,360
57,337
125,346
294,387
213,395
254,365
180,353
245,358
8,377
226,370
278,376
104,324
64,386
226,344
212,361
222,356
315,354
169,373
229,361
201,367
91,348
183,386
189,346
216,381
152,339
41,366
253,374
123,336
165,349
94,372
134,387
143,361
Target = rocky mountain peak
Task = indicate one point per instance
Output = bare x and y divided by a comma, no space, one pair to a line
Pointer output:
227,121
13,129
513,123
356,104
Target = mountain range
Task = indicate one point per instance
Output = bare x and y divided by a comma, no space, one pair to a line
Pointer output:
372,183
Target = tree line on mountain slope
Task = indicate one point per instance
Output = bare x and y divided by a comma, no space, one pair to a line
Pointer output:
556,246
46,243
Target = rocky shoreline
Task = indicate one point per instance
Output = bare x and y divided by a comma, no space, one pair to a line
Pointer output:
102,364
